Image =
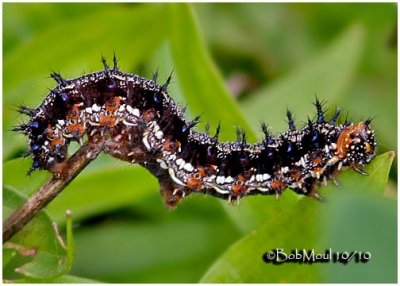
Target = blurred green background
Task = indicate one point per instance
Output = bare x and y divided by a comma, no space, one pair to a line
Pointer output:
235,63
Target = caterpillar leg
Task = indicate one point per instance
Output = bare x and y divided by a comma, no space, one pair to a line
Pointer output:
172,193
310,189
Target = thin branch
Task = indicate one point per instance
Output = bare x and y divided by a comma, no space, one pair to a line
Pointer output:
86,153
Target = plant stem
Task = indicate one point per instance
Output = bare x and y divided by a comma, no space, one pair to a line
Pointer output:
73,166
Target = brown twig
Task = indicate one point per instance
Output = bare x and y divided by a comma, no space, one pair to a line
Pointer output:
51,188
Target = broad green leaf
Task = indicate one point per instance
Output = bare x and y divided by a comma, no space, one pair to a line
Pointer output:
364,221
304,226
33,269
40,253
8,256
243,263
327,76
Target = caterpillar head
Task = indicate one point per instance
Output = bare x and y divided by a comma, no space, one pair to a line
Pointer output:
357,144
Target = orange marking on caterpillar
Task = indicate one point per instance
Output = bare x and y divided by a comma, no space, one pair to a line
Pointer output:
108,120
238,188
344,140
368,147
74,113
317,161
202,171
113,104
207,170
194,182
171,146
57,142
76,129
277,185
296,175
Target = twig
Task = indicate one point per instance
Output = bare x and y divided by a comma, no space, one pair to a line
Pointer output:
51,188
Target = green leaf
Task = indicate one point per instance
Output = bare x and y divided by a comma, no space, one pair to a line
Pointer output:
327,76
305,225
8,256
362,220
41,270
243,263
40,252
60,279
377,178
363,223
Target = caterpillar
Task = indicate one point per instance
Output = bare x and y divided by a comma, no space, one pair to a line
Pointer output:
140,123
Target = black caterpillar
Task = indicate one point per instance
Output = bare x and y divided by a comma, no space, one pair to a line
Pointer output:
141,123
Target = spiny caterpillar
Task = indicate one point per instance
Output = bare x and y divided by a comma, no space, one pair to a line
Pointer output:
140,123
